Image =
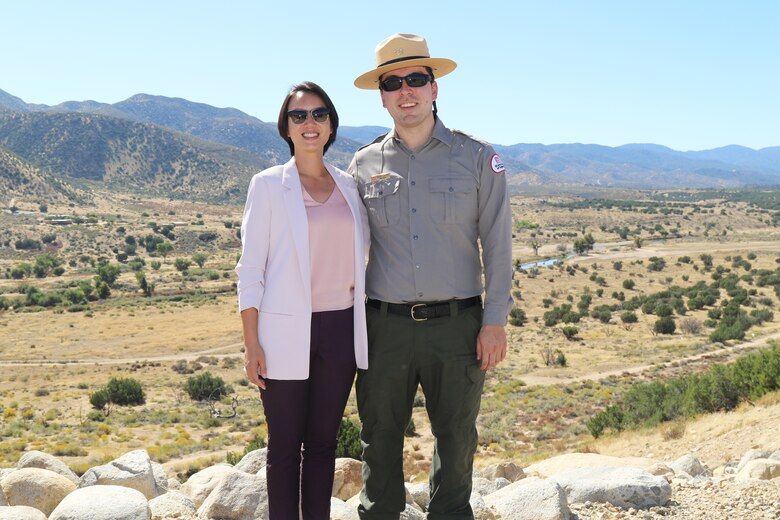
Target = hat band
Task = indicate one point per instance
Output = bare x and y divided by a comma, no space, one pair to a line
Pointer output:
398,60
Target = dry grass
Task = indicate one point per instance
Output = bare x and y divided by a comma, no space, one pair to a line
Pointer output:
71,355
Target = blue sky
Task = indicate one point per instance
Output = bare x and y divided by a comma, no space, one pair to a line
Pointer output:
690,75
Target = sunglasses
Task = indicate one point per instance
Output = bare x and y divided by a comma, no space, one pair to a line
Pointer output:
414,80
320,115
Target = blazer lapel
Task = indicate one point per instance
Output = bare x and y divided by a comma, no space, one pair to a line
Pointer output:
299,222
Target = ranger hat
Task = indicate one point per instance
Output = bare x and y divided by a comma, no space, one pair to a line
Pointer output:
399,51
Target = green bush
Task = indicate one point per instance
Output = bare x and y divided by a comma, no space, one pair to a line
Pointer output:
517,317
348,443
665,325
722,387
256,443
127,391
206,387
570,332
99,399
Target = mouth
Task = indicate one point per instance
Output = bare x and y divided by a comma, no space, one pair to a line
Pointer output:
311,135
408,104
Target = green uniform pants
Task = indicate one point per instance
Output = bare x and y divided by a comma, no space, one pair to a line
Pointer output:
439,354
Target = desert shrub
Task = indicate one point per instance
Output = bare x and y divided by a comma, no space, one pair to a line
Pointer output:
99,399
182,264
691,326
656,264
517,317
570,332
125,391
603,313
628,317
256,443
665,325
759,316
628,284
206,387
721,387
27,244
107,273
348,441
207,236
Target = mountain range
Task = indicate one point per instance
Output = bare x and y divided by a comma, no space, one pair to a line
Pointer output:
175,147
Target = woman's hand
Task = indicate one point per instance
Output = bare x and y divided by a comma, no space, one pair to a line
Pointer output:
254,364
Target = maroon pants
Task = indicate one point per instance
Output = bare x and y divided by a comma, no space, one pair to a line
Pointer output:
303,418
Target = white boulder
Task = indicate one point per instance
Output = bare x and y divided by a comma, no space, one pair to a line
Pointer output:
35,487
103,503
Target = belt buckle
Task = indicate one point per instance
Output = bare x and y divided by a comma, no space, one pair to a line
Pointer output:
412,312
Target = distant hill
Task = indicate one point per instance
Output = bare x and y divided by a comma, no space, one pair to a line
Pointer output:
628,166
127,155
644,165
20,178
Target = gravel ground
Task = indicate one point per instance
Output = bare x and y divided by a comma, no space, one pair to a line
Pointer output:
709,499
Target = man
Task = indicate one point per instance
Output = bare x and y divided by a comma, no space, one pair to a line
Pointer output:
432,194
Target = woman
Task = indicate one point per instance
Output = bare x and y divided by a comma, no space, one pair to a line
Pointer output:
300,293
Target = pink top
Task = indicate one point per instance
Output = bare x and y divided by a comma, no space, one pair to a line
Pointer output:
331,252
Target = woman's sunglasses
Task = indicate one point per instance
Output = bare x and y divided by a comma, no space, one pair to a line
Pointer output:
320,115
414,80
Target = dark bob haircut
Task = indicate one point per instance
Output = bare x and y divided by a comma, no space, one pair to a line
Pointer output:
311,88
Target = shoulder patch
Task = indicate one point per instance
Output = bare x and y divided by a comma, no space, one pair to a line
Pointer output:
496,164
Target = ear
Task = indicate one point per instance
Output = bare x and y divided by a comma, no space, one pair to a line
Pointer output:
434,90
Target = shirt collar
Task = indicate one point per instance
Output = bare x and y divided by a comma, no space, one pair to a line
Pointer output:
440,133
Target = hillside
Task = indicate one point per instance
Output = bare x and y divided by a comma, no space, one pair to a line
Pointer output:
127,155
21,179
537,166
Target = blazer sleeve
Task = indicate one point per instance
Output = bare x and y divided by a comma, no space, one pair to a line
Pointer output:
255,240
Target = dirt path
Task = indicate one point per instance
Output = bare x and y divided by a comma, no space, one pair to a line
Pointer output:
191,356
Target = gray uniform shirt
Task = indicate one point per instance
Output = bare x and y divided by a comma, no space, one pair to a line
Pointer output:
427,210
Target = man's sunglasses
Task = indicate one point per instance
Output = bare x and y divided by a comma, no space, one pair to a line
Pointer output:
414,80
299,117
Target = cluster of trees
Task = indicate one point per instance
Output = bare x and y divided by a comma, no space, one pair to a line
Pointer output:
722,387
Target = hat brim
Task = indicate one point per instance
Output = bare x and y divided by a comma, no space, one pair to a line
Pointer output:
441,67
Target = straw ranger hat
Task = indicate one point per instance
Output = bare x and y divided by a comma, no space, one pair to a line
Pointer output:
399,51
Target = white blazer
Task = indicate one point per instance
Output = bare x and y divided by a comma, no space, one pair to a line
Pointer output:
274,273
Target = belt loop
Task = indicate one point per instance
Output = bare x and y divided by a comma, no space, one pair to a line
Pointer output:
383,310
454,309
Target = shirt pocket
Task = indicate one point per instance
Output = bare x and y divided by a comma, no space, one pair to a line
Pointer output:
383,201
453,201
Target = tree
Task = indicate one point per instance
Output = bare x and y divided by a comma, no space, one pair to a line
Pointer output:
107,273
535,244
200,258
163,248
182,264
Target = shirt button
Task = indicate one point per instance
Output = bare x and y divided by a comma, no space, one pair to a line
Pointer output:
413,157
382,192
451,189
415,237
419,294
414,210
417,266
413,183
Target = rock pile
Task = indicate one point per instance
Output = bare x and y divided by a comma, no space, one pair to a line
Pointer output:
577,486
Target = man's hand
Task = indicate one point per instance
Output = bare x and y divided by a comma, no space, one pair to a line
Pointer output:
491,346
